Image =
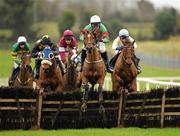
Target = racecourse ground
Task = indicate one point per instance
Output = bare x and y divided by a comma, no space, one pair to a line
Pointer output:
97,132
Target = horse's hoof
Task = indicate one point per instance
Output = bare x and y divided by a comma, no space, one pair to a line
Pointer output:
101,109
84,108
101,99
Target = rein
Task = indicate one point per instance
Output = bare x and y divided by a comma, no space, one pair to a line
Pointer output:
23,83
93,62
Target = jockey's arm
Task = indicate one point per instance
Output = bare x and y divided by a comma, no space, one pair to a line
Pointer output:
105,34
35,51
55,49
116,46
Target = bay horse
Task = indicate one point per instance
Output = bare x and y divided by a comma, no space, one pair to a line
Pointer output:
50,77
93,71
25,75
70,77
125,72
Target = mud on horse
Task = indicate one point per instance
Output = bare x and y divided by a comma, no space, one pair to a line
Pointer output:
125,72
50,78
93,71
25,75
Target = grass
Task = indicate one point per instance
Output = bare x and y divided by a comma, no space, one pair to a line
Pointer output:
97,132
165,47
5,63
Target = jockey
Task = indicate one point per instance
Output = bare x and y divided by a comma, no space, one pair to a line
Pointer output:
20,47
67,40
122,38
37,51
102,37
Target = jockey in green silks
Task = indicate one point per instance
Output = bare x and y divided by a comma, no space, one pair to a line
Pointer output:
20,47
102,36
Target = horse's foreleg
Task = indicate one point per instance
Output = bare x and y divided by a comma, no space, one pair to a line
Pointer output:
102,110
59,88
117,82
100,91
85,88
134,85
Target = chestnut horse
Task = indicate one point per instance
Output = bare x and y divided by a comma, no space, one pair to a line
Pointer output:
50,78
25,75
70,77
125,72
93,71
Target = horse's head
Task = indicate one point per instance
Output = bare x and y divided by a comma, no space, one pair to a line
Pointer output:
26,60
128,53
47,59
89,40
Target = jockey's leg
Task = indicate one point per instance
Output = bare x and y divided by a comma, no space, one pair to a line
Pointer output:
136,62
83,56
104,55
14,74
38,65
114,59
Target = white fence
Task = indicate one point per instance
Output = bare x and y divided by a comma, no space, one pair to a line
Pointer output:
148,81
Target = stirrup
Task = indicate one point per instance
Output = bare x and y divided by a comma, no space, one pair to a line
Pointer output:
10,82
139,71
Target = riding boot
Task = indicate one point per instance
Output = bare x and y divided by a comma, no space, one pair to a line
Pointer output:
106,61
13,77
11,81
136,62
83,56
113,60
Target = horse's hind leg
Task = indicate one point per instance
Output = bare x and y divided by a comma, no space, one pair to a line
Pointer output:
85,88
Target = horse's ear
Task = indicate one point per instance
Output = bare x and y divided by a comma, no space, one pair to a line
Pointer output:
133,42
82,30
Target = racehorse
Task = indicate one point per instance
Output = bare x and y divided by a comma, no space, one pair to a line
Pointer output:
93,70
70,77
25,75
50,78
125,72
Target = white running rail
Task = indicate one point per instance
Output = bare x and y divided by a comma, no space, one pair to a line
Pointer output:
165,81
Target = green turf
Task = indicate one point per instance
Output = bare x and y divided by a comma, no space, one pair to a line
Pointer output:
97,132
5,63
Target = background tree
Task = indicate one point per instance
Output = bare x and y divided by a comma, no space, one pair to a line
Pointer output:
67,21
18,16
165,23
146,11
113,28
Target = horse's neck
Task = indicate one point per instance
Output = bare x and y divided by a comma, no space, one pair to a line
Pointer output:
23,74
120,59
94,55
53,67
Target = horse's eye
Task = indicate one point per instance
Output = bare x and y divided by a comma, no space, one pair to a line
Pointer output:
51,55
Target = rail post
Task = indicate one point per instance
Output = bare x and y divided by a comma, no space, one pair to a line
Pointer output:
120,108
163,108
